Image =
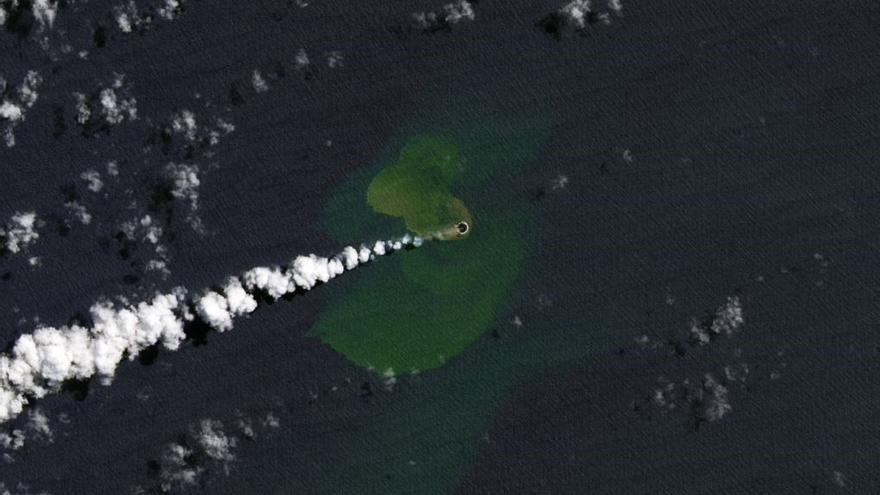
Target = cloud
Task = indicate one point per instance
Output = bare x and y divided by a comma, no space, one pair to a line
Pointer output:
44,12
106,107
259,83
186,123
184,184
576,12
728,319
20,231
79,212
214,442
42,361
206,450
302,59
93,179
20,489
578,15
130,18
35,429
334,59
14,106
451,13
171,9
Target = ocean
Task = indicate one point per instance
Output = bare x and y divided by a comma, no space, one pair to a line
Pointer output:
671,285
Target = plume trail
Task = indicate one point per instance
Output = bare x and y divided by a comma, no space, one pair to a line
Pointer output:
40,362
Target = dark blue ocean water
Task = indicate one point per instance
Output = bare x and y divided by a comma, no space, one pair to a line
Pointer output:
711,150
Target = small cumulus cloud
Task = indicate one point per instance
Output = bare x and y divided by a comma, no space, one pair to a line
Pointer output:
16,104
20,232
444,18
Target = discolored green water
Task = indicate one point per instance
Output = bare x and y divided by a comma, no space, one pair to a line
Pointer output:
416,188
421,308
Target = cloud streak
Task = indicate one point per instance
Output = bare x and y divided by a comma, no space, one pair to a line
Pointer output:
41,362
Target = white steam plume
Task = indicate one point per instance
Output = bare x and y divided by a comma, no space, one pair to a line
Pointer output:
42,361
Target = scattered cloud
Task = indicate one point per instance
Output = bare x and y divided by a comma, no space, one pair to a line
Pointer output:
560,182
20,232
703,394
16,103
19,489
259,83
93,180
576,16
44,12
105,107
443,19
79,212
302,59
334,59
133,19
206,451
728,319
187,124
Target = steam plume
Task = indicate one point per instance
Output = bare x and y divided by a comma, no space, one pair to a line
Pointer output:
40,362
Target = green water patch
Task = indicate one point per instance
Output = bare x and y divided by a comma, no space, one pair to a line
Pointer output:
416,310
417,188
430,305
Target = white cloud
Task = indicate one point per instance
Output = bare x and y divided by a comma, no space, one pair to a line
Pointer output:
20,489
113,103
185,185
716,403
178,468
13,440
214,441
616,6
259,83
115,109
560,182
186,123
79,212
271,421
458,11
576,11
214,310
44,12
728,319
127,17
41,361
302,59
237,299
206,449
334,59
451,13
13,110
93,179
21,231
38,425
170,10
83,111
577,15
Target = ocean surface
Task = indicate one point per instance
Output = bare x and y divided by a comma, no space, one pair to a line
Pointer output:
679,209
